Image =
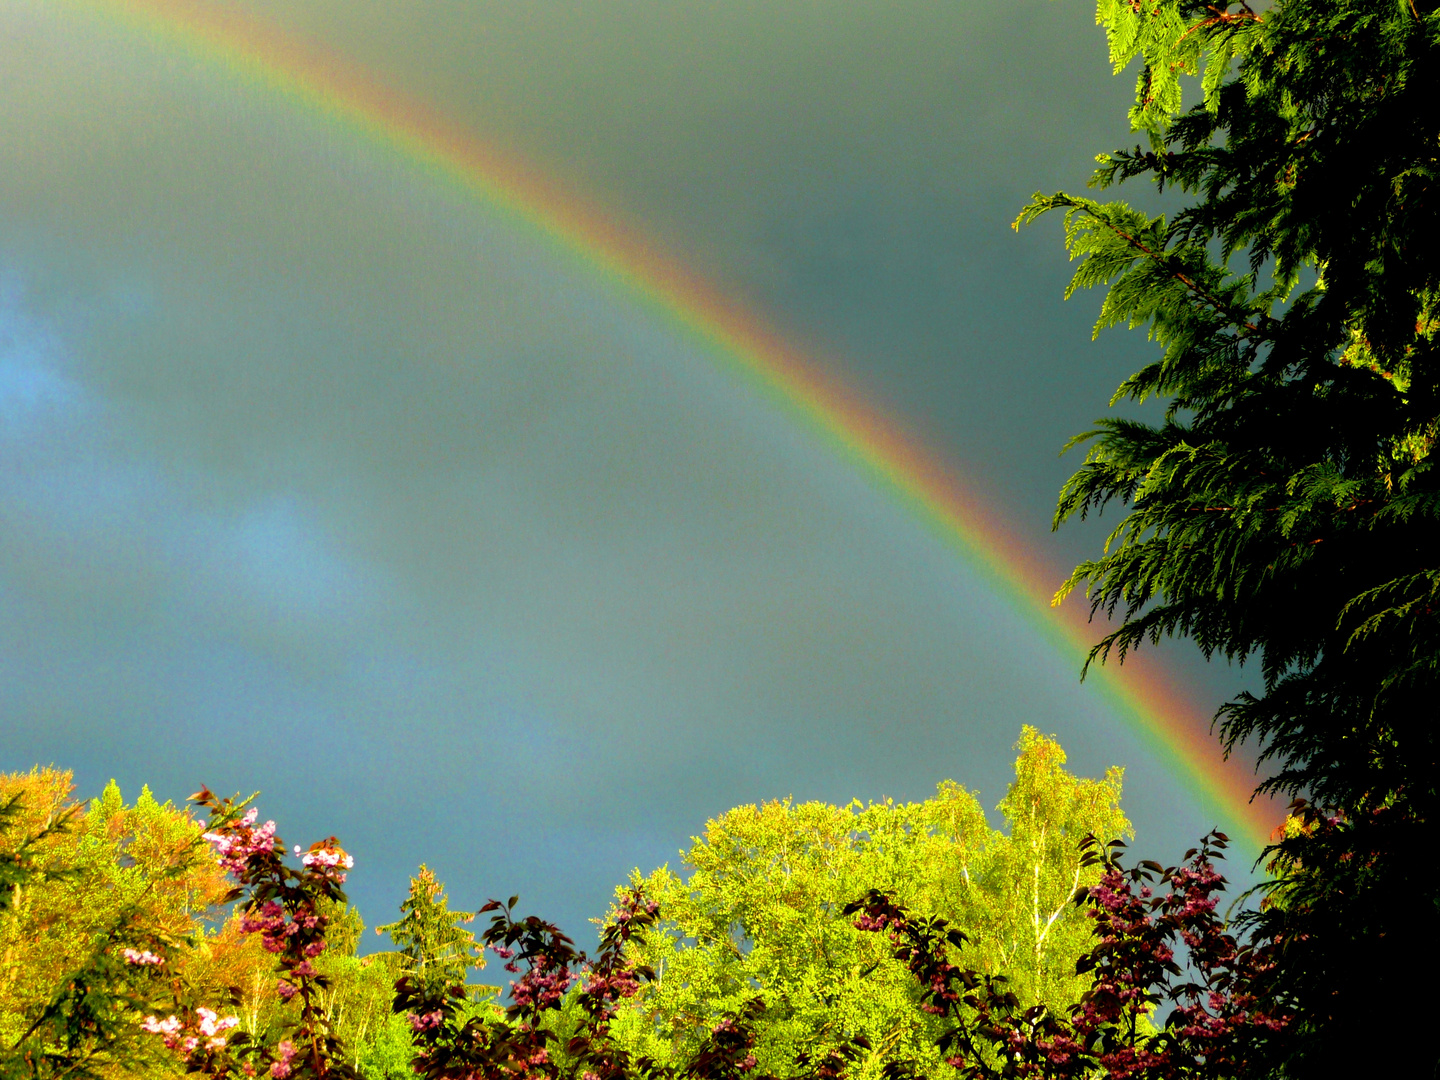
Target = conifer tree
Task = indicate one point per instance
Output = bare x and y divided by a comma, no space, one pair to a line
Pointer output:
1287,507
436,952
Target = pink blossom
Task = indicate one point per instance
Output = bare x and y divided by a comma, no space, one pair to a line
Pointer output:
140,957
327,860
211,1024
285,1051
236,843
168,1026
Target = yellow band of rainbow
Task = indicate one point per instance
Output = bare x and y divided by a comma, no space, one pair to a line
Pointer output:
321,82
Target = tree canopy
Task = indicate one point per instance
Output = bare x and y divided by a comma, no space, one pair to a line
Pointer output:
85,881
760,913
434,949
1287,508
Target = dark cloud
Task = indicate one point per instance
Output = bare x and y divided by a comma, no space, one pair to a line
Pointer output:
319,477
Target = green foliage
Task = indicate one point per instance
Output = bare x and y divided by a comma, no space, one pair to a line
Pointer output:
760,914
24,861
435,950
1287,506
1171,39
360,988
79,888
1301,418
1035,871
387,1051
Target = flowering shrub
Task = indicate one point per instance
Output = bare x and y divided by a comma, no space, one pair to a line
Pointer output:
1222,1021
286,908
452,1044
526,1044
204,1030
1172,993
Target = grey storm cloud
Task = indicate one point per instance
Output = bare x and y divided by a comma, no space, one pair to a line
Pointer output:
319,477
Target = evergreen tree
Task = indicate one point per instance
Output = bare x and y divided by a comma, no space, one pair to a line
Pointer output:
435,951
1286,508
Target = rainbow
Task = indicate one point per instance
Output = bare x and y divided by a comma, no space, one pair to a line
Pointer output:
324,83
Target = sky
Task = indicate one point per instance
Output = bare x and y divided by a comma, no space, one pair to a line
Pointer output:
324,478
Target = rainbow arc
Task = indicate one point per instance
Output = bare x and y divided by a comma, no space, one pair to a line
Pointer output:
325,83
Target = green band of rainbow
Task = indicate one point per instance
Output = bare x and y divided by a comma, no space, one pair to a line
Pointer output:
321,82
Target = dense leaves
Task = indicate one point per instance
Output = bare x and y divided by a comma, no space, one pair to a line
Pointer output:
759,914
278,990
1221,1019
91,897
434,951
1287,507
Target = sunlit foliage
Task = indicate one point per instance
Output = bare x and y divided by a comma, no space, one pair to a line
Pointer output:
1287,507
759,912
97,878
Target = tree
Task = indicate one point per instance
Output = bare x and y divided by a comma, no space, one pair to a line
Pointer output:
226,964
1037,869
1221,1021
434,950
387,1050
760,914
111,966
86,891
1287,507
357,1001
291,910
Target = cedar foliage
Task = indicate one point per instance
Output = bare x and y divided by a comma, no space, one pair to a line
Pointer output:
1286,508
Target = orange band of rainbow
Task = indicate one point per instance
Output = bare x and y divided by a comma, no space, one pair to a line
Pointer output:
318,81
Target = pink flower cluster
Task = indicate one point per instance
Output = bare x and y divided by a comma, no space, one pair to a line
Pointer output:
872,923
141,957
1136,950
328,860
168,1027
271,924
276,928
619,983
211,1025
281,1066
542,986
634,912
209,1032
234,845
